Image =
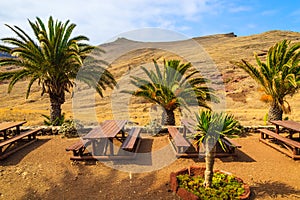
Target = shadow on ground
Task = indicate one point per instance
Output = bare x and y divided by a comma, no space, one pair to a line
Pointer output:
275,189
85,183
17,157
240,157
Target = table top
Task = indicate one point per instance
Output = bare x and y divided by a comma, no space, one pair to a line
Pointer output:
108,129
287,124
7,125
189,124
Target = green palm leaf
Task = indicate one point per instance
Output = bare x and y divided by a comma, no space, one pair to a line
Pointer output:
279,75
177,85
53,59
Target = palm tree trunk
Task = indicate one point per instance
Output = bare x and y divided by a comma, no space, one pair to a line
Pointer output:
55,110
168,117
275,112
209,162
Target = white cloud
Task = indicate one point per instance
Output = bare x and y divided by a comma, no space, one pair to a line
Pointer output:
236,9
269,12
101,20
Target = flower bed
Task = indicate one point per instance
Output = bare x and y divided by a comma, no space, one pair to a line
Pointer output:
196,173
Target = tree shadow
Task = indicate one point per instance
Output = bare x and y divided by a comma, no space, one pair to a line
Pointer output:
143,154
239,157
18,156
272,189
87,183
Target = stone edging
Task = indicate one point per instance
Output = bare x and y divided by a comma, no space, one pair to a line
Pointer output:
197,170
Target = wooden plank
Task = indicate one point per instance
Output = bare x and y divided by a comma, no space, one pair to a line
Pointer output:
8,125
188,126
8,153
287,124
107,130
279,137
130,141
128,156
18,137
103,158
292,147
282,150
78,145
179,140
5,126
231,142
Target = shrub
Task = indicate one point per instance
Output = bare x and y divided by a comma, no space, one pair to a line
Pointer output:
57,121
154,127
69,129
223,186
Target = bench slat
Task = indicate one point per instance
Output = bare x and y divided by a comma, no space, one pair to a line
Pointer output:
292,146
31,133
279,137
130,141
20,136
232,143
78,147
179,140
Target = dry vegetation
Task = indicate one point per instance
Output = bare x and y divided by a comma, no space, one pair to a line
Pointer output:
43,170
242,93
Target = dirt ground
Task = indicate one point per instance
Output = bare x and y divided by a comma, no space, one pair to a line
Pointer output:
44,171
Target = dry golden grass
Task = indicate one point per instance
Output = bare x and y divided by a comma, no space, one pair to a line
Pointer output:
242,93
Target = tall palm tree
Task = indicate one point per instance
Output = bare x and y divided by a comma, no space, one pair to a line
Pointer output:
178,85
279,76
53,60
211,127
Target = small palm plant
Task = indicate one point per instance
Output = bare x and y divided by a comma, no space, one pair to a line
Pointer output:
279,76
177,85
211,127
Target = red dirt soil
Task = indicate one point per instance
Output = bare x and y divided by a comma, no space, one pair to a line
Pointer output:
44,171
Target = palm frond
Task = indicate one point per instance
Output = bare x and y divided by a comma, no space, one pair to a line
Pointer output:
279,75
177,85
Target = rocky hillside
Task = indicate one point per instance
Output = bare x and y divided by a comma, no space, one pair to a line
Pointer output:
211,55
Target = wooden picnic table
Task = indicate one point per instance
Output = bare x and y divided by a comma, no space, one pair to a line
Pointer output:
187,127
107,131
5,126
289,146
293,126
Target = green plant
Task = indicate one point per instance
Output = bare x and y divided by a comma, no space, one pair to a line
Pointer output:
177,85
53,61
210,128
154,127
223,186
265,119
69,129
57,122
279,76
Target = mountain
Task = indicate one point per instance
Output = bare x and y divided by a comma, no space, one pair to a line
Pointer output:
210,54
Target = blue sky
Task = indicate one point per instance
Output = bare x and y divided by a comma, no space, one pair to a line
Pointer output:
103,20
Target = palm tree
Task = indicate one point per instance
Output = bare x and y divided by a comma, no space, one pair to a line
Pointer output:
279,76
177,85
211,127
53,61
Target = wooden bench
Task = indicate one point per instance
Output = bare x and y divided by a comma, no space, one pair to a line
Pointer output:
292,146
78,147
130,142
31,134
180,142
230,144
